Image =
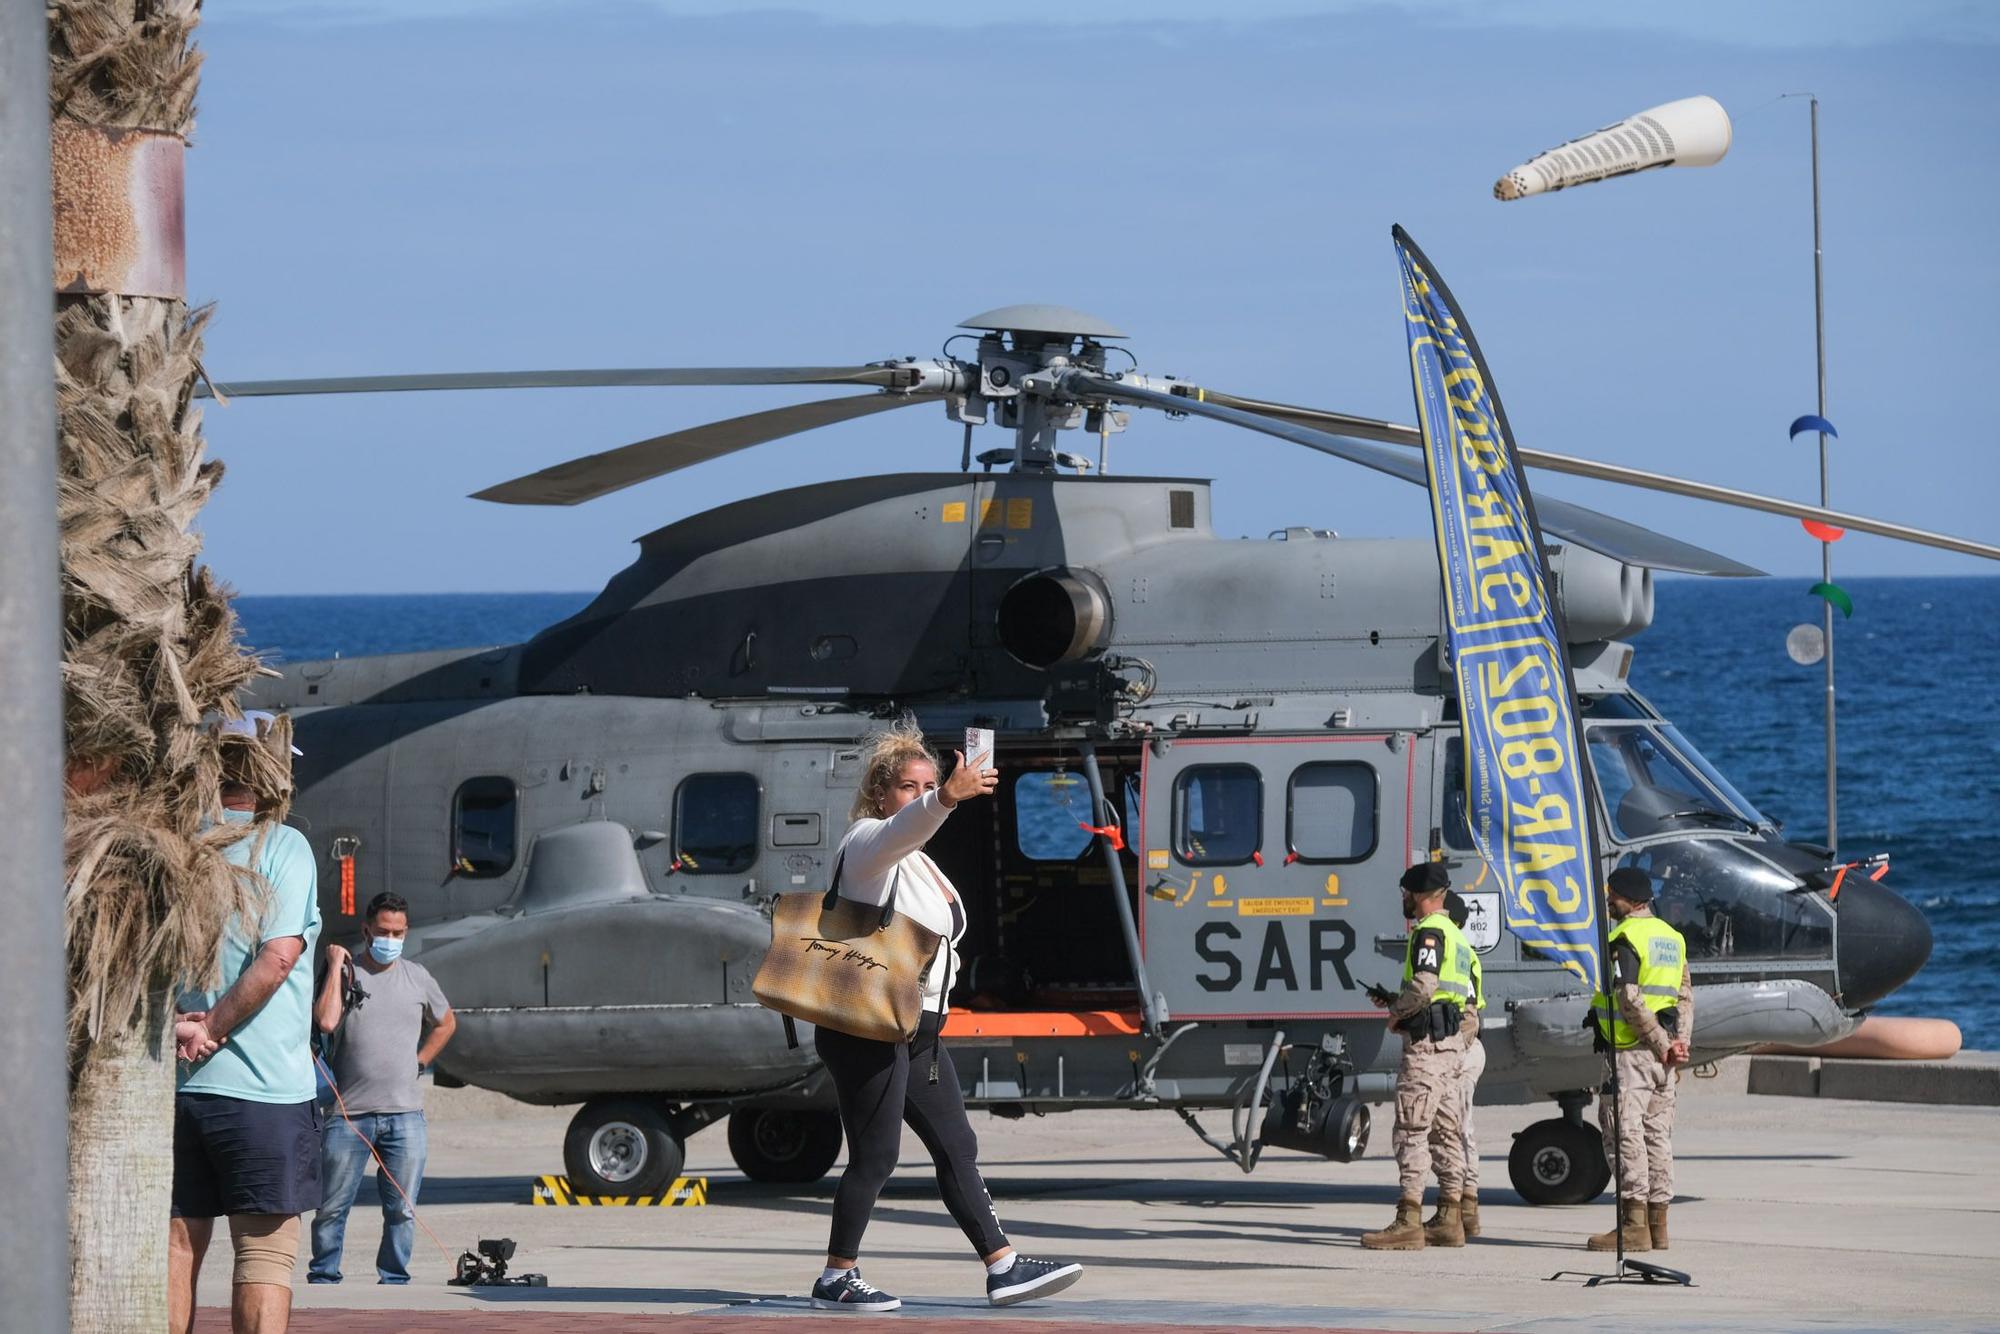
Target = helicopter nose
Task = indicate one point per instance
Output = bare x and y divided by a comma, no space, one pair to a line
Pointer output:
1883,941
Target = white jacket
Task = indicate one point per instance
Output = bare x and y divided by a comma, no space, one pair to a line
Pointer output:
879,855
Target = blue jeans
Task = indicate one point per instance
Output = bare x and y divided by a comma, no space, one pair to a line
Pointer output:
401,1138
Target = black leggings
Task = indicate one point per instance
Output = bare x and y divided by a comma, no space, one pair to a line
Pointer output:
880,1086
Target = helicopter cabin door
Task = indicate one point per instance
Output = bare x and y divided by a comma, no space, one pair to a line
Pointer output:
1269,871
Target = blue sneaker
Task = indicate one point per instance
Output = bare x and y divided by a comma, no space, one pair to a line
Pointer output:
1026,1279
851,1292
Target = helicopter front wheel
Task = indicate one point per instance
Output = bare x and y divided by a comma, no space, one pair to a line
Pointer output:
1559,1161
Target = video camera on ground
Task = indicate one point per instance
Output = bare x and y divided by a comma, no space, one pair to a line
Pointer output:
488,1268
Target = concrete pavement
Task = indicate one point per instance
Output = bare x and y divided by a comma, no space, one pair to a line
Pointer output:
1793,1213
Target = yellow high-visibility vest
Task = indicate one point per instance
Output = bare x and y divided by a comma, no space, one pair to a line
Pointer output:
1662,957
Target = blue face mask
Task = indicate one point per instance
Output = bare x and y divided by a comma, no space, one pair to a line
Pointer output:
385,950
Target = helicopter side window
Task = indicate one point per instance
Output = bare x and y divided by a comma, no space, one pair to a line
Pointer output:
715,824
1048,809
1330,812
1457,831
1218,814
483,828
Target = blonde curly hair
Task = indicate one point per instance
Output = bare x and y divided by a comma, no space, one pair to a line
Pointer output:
884,756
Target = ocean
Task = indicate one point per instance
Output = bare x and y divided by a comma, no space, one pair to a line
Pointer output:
1919,723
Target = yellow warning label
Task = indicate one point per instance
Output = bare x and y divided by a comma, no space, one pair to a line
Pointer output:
689,1191
1274,907
1156,859
1021,513
989,514
954,511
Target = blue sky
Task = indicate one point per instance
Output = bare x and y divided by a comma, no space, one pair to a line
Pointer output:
455,185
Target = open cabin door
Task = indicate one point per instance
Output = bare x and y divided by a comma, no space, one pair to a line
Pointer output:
1270,872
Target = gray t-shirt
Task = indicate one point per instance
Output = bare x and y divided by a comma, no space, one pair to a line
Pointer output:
375,1063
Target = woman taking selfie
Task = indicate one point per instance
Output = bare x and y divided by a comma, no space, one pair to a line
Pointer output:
881,1085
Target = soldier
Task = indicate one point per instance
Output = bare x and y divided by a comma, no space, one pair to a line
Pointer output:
1429,1012
1647,1030
1472,1066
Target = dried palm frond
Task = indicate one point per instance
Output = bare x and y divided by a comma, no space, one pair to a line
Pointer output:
150,650
125,63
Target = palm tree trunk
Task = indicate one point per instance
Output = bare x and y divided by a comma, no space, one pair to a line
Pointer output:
121,1129
149,641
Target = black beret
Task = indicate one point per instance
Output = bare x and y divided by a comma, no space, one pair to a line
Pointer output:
1631,884
1426,878
1454,908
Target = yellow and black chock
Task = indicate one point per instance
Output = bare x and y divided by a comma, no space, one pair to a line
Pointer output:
686,1191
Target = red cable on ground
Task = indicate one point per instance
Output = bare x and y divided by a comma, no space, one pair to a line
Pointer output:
450,1257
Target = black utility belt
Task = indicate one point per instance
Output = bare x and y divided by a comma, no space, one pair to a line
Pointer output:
1437,1021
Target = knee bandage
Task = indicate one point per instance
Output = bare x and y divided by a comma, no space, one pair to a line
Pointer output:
267,1247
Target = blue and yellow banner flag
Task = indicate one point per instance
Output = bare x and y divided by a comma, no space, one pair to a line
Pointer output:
1525,773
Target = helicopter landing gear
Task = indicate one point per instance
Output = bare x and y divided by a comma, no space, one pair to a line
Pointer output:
622,1146
1560,1160
784,1145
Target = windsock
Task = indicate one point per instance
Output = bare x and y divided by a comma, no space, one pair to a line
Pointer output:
1693,132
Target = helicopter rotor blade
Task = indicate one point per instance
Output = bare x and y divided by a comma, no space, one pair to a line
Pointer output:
1368,428
580,479
1612,537
882,376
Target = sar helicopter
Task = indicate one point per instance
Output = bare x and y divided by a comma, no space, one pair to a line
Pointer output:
1216,756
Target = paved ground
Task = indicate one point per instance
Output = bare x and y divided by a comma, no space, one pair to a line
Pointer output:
1794,1213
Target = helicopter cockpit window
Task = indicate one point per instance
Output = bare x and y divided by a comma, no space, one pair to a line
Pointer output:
1330,812
1622,708
1737,801
1218,814
1649,789
715,824
483,828
1049,812
1731,904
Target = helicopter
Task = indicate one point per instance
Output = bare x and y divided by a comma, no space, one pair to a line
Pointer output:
1216,755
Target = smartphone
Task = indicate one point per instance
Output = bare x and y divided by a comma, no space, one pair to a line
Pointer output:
979,748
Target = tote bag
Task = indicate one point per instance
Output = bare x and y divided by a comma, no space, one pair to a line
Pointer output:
852,967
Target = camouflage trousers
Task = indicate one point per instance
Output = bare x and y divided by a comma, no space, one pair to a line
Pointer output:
1472,1066
1427,1116
1643,1125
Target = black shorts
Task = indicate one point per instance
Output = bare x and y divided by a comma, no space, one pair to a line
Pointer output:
234,1156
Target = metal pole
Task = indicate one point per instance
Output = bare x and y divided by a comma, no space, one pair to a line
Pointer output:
1825,548
1100,811
34,1159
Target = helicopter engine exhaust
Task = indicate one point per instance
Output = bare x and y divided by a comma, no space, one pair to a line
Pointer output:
1601,598
1053,617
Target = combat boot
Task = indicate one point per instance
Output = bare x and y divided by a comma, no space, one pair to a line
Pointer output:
1445,1229
1468,1214
1405,1234
1632,1222
1656,1218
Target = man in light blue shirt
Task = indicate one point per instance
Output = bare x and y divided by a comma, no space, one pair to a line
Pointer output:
246,1131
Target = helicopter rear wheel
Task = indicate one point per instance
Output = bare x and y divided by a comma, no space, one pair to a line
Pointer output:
1559,1161
783,1145
621,1146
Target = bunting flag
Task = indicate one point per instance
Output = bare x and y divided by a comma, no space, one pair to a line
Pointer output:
1527,780
1836,595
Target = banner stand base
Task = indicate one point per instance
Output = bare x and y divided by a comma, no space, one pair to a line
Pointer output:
1630,1271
